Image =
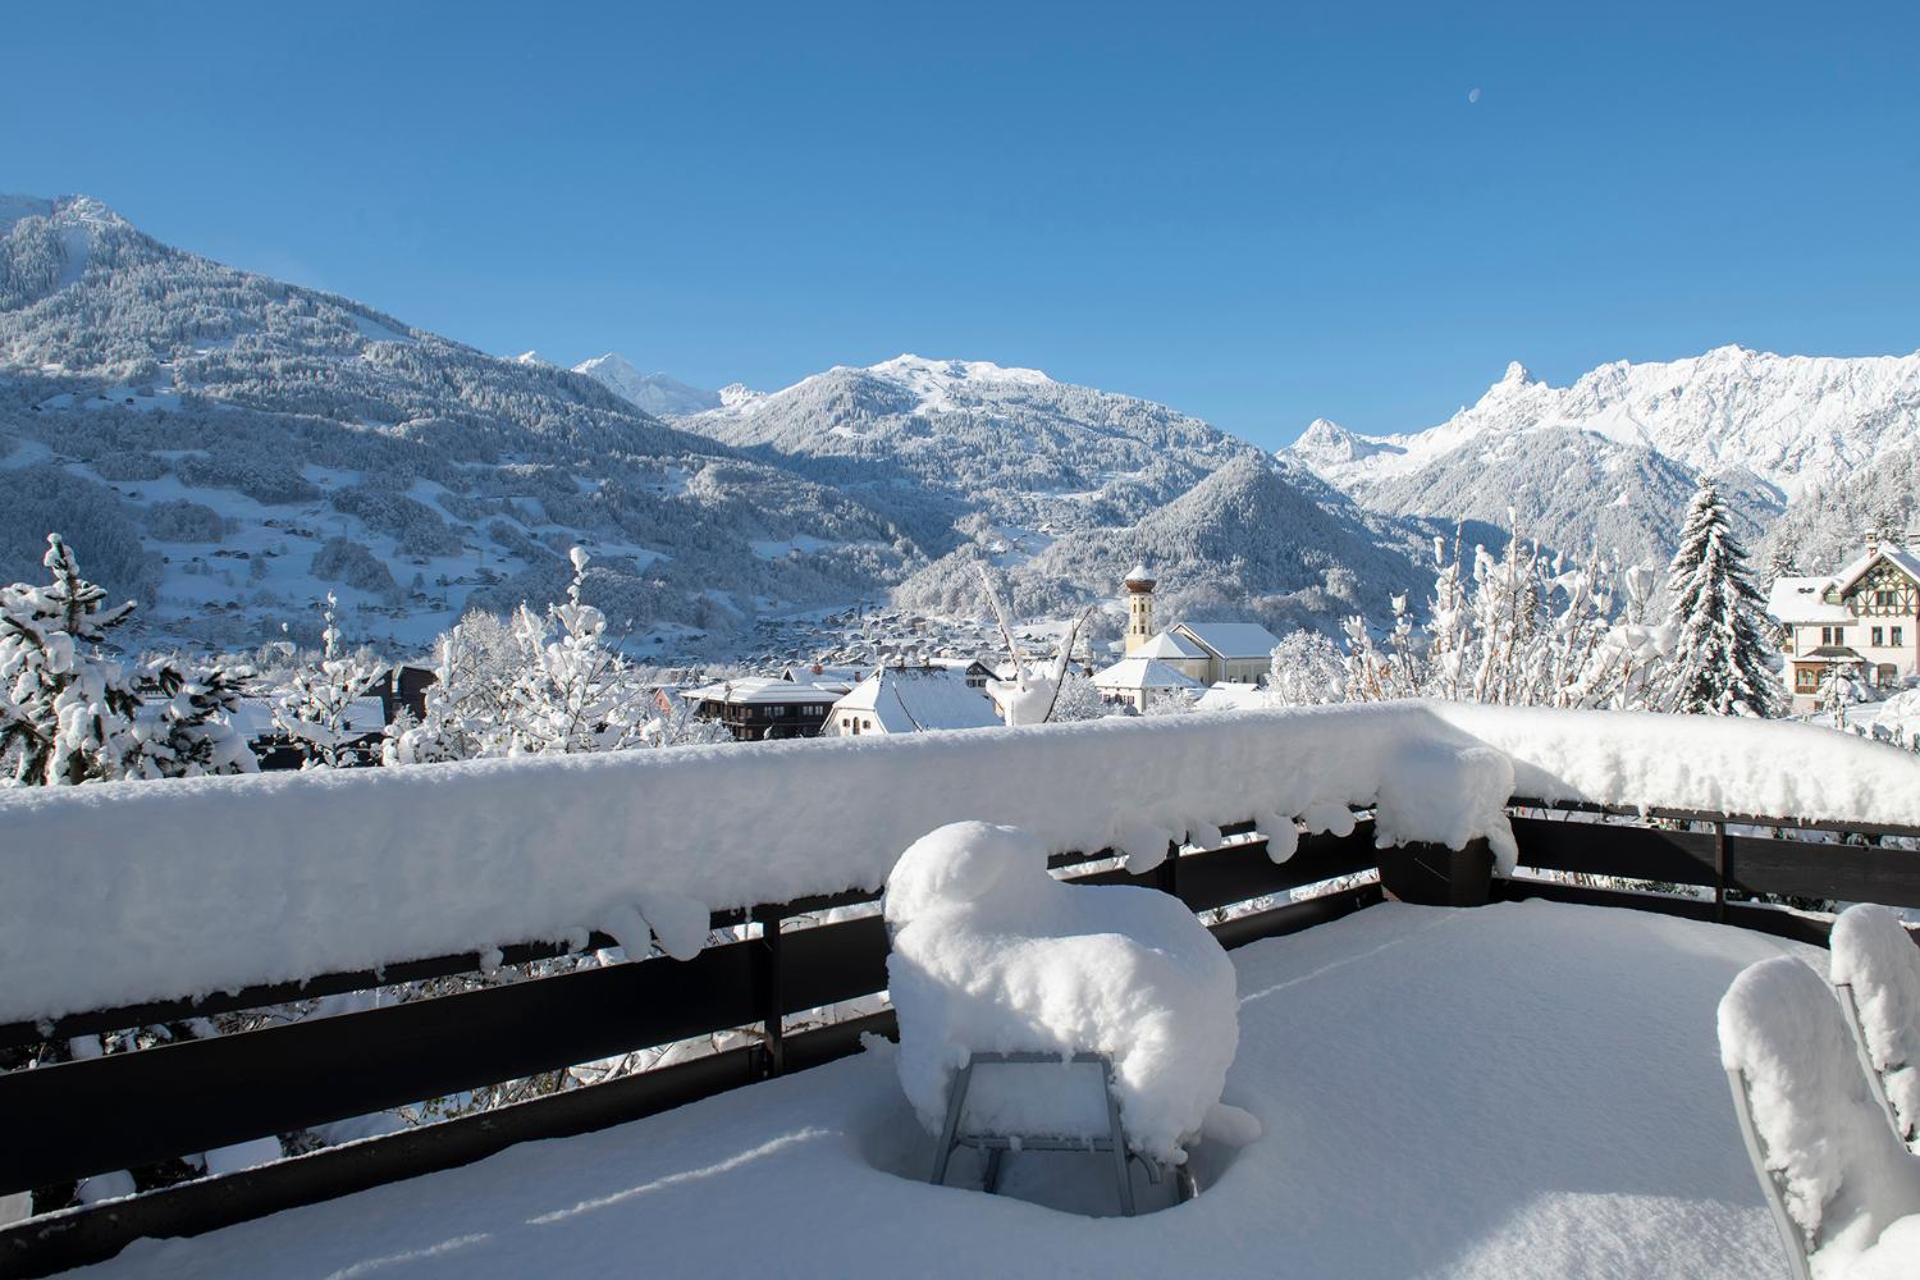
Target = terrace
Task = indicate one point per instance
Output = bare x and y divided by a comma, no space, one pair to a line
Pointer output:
1524,1083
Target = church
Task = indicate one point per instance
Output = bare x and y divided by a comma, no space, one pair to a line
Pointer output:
1187,657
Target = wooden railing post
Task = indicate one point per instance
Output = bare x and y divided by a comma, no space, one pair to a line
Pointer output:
1720,872
769,991
1432,875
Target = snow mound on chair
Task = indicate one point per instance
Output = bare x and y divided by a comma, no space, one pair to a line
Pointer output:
992,954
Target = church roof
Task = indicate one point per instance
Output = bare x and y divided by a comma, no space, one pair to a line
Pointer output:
1232,641
1169,645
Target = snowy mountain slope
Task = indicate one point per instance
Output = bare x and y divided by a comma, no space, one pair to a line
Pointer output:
1569,490
1609,458
1010,443
655,393
1256,539
1792,421
229,447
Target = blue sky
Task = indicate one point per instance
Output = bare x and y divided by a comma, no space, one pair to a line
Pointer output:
1259,214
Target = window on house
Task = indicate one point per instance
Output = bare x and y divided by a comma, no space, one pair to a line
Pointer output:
1833,635
1805,680
1879,637
1884,598
1898,638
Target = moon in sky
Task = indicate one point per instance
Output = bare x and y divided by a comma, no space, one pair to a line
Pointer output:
1473,95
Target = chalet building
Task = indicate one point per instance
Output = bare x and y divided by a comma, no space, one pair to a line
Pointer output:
1134,681
1863,622
760,708
912,700
1202,654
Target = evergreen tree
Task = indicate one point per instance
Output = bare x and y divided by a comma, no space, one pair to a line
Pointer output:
192,733
1720,652
66,713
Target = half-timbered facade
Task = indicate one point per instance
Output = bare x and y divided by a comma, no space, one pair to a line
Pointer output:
1863,622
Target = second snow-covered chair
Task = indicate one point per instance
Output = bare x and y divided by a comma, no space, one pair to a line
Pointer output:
1876,973
994,958
1844,1191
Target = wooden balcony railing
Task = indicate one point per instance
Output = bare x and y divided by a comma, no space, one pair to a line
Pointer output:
132,1109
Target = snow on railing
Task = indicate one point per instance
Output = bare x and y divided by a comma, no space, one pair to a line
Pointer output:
122,892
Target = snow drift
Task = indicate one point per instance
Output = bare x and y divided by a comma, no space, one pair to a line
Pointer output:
993,955
119,892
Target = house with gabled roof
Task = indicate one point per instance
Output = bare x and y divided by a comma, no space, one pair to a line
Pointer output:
1863,622
902,699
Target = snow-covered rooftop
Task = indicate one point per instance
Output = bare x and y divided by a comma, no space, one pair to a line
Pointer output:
759,690
1232,639
1140,672
1232,695
1520,1090
1900,558
915,699
1803,600
1168,645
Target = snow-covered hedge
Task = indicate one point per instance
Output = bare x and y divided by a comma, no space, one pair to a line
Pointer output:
117,892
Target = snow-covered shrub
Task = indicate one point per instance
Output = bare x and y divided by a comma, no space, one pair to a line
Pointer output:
990,953
1306,670
314,710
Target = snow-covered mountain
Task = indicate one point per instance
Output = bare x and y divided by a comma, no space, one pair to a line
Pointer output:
228,448
1631,438
1012,444
656,393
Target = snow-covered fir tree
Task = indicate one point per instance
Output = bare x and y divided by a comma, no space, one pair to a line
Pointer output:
186,727
66,711
1719,648
314,711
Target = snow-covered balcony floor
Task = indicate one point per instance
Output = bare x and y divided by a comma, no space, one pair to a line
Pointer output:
1517,1090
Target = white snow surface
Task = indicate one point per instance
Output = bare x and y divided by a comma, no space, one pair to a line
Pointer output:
1524,1090
1844,1177
321,871
993,955
1873,955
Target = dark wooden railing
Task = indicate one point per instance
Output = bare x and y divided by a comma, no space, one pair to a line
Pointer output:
131,1109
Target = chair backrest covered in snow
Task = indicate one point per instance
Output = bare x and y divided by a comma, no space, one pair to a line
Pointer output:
1832,1169
991,954
1876,971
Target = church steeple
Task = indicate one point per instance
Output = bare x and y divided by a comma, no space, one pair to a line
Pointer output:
1139,585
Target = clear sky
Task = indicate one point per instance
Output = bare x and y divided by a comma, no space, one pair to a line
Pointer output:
1258,214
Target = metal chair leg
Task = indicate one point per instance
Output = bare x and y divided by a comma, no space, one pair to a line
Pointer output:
1119,1148
962,1080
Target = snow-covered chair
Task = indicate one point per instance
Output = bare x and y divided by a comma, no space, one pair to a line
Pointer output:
1876,973
1845,1193
994,959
